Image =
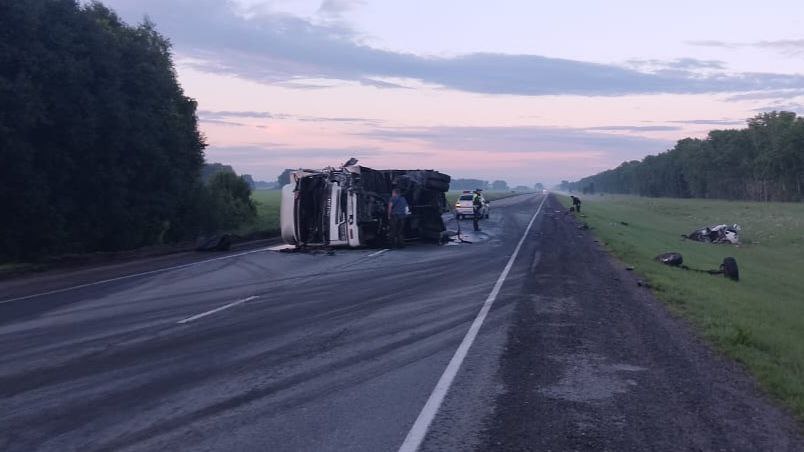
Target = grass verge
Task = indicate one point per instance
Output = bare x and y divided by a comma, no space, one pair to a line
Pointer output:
267,222
758,321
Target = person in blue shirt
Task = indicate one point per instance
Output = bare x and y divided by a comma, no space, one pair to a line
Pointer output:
397,211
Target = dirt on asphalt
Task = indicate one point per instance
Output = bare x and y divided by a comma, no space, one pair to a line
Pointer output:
595,362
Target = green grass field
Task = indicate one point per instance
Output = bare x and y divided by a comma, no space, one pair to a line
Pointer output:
268,202
758,321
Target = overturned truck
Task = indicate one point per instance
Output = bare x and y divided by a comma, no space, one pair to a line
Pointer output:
347,206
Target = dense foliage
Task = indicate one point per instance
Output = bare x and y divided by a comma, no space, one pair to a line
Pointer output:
763,162
99,146
228,202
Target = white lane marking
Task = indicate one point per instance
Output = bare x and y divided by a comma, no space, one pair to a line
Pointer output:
135,275
280,247
378,252
419,430
204,314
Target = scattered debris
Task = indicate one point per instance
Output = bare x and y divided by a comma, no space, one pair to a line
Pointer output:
672,259
642,283
728,268
583,227
220,242
721,233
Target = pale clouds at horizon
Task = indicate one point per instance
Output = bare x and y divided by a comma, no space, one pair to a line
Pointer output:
527,92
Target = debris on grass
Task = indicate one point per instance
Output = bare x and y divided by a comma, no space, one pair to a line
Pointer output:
672,259
720,233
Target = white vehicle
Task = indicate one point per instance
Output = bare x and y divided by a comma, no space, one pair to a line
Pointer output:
464,206
347,206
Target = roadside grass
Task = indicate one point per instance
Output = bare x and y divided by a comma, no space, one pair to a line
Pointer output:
758,321
267,221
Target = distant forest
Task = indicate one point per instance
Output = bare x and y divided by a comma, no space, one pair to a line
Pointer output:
99,146
763,162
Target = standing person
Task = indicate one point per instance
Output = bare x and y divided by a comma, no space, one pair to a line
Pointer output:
397,211
477,209
576,202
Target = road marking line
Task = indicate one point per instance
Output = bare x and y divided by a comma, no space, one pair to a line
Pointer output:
204,314
418,432
281,247
378,252
135,275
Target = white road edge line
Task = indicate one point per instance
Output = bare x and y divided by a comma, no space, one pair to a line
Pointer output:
210,312
378,252
135,275
418,432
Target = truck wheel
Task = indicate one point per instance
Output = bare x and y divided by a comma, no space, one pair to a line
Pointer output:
437,185
435,175
729,268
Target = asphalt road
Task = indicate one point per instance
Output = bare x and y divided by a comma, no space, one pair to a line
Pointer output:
289,351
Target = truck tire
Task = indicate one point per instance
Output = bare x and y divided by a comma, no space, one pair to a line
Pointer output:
435,175
437,185
730,270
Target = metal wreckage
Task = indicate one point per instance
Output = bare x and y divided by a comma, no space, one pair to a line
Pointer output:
347,206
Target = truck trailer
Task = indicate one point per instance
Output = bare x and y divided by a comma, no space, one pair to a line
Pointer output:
347,206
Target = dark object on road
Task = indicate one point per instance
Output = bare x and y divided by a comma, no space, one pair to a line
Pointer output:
347,206
672,259
624,223
576,203
729,269
220,242
720,233
644,284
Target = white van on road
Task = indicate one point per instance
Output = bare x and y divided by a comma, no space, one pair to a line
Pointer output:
465,208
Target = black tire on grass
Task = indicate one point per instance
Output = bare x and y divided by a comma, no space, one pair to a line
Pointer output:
730,270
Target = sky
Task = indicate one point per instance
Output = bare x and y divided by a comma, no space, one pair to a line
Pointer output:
523,91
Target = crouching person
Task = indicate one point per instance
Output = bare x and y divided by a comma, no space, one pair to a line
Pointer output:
397,212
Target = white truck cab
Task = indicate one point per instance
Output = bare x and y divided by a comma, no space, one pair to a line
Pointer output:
334,220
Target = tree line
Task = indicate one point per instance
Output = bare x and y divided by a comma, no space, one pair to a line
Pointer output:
99,145
761,162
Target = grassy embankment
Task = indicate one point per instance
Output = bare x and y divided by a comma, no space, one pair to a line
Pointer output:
268,209
759,321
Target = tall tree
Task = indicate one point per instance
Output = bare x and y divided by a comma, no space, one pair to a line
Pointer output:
99,146
763,162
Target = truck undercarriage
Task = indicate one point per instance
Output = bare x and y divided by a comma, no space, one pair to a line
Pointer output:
346,206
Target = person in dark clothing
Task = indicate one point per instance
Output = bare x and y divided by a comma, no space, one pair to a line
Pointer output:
576,202
477,209
397,211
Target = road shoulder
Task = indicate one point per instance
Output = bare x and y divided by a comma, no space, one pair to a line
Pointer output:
593,361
